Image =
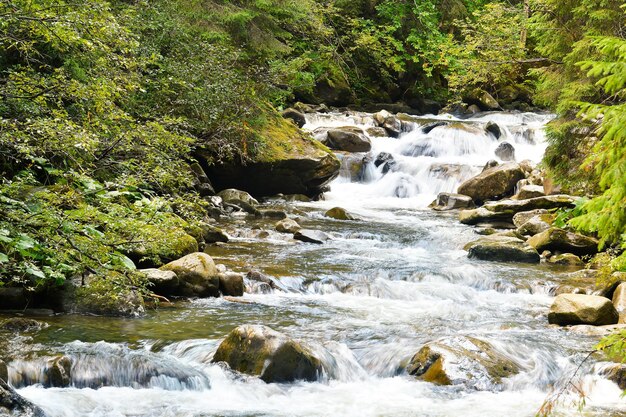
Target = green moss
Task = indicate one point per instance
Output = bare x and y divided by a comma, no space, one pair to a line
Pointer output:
112,295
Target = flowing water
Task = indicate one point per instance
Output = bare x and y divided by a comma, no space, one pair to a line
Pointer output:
365,302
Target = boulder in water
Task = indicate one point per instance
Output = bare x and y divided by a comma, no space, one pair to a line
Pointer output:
482,99
449,201
4,371
311,236
566,259
163,282
523,216
495,182
231,284
212,234
503,249
197,273
386,160
12,404
481,216
429,127
569,309
495,130
273,214
294,115
536,224
492,163
505,151
339,213
57,373
462,361
349,139
287,226
376,132
22,324
546,202
559,240
261,351
232,194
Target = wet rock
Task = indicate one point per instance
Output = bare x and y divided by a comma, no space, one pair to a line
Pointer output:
197,274
287,226
536,224
12,404
481,215
523,216
212,234
617,374
530,191
492,163
545,202
231,284
349,139
376,132
493,183
57,373
4,371
13,298
482,99
569,309
566,259
261,351
429,127
339,213
559,240
393,126
231,194
261,278
505,151
495,130
202,184
386,160
462,361
22,324
163,282
619,301
311,236
503,249
472,109
449,201
297,117
273,214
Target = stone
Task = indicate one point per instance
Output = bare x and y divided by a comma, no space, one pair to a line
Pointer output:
559,240
197,273
387,161
617,374
212,234
568,309
546,202
163,282
287,226
261,278
566,259
495,130
529,191
462,360
311,236
502,248
536,224
231,284
202,183
376,132
349,139
450,201
12,404
505,151
492,183
430,126
492,163
481,215
239,205
22,324
57,373
263,352
232,194
13,298
393,126
273,214
482,99
4,371
523,216
619,301
472,109
294,115
339,213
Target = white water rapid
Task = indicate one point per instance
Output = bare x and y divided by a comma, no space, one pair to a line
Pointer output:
365,302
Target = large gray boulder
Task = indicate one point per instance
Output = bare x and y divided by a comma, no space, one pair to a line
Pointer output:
493,183
287,226
536,224
559,240
505,151
530,191
12,404
523,216
349,139
231,284
198,275
503,249
546,202
263,352
482,215
232,194
462,360
163,282
569,309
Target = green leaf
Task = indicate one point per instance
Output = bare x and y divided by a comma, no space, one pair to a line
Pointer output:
3,258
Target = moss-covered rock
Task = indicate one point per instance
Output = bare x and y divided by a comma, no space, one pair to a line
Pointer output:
536,225
12,404
197,273
231,284
462,360
559,240
566,259
58,372
503,249
569,309
544,202
22,324
339,213
231,194
110,295
493,183
261,351
482,215
523,216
